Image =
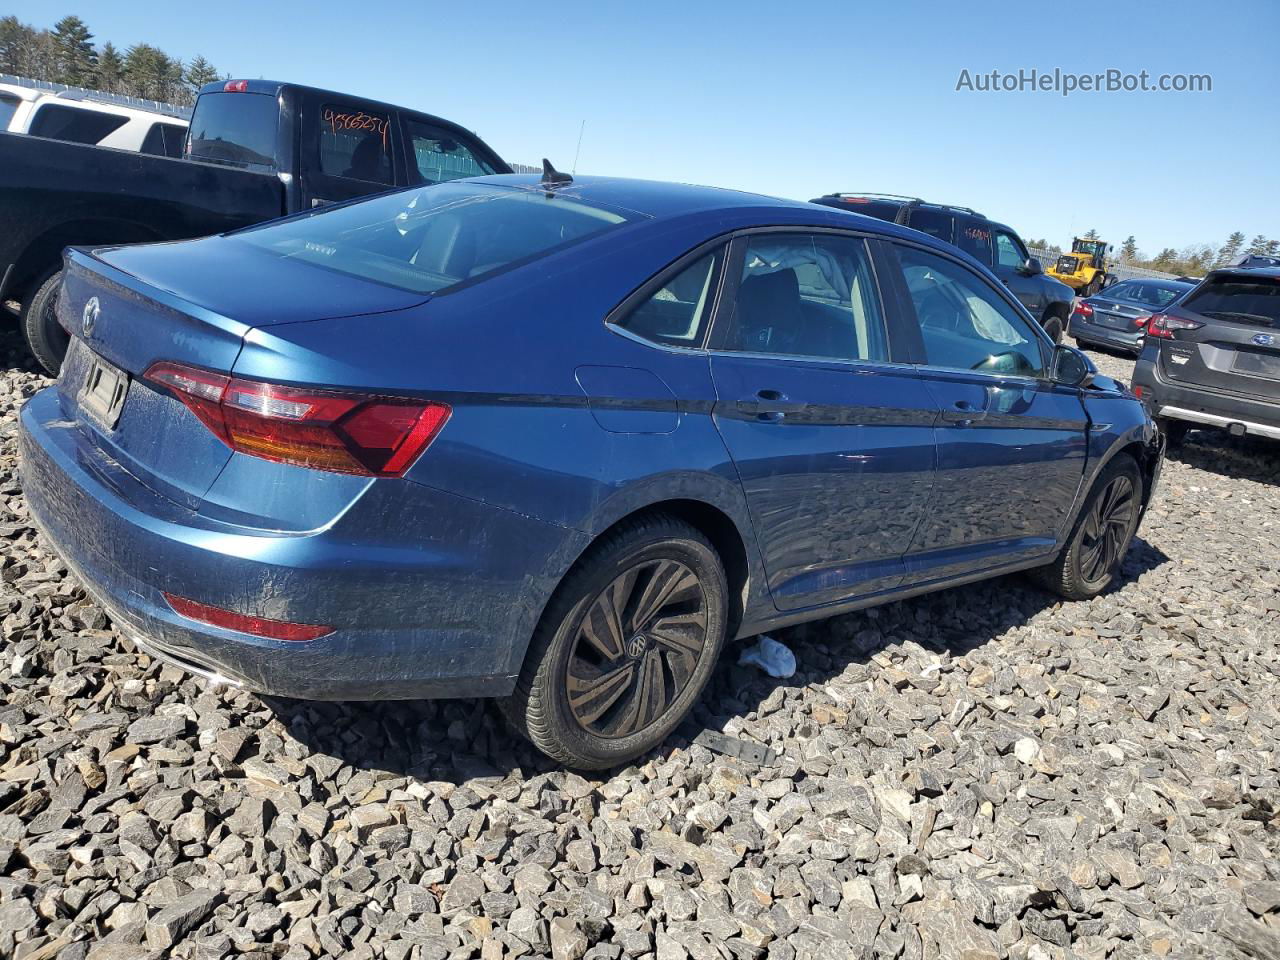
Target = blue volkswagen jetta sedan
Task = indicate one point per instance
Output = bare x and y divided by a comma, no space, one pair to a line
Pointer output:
558,442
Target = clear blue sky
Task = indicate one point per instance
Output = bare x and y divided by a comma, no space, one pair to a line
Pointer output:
798,99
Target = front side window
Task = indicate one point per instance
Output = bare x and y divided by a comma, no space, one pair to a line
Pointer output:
76,124
676,314
427,239
807,295
237,129
439,155
965,324
1009,250
355,144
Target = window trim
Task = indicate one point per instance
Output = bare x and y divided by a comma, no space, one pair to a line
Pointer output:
640,295
908,308
732,280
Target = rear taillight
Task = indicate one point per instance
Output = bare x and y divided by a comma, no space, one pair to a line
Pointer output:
322,429
246,623
1083,310
1162,326
1140,322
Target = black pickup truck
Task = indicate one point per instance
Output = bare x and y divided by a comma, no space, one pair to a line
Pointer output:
255,150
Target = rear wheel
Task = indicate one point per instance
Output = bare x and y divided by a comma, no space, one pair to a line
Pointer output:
1053,327
1101,535
1093,287
46,338
625,647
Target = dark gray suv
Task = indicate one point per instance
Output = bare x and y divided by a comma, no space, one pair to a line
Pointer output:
1213,359
992,244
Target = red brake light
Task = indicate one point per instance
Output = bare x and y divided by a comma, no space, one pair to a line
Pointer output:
236,86
1162,326
322,429
1140,322
1083,309
244,623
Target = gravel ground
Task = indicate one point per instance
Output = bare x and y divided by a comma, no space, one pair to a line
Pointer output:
985,773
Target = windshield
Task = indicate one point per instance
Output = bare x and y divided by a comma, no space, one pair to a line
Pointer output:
427,239
1087,246
1146,294
238,129
1240,300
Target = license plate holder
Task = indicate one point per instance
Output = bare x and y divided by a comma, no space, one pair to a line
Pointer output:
1257,364
102,395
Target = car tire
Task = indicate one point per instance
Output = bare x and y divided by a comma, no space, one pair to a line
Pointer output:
45,337
1100,535
1053,326
565,701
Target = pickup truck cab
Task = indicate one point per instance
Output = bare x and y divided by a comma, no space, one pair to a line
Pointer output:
255,150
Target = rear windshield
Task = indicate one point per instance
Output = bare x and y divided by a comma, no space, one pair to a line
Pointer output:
424,240
1146,294
1239,300
77,124
238,129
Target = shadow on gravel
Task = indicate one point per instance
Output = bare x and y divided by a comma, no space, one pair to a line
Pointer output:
1243,458
457,740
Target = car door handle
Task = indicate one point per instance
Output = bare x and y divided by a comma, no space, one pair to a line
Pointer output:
771,404
963,413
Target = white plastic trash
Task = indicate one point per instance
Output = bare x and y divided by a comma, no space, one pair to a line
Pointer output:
769,655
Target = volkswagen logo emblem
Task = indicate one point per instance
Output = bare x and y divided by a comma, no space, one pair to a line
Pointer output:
1263,339
637,646
90,316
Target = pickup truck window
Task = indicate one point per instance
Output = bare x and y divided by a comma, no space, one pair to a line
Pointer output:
355,144
8,107
431,238
164,140
236,129
76,124
440,156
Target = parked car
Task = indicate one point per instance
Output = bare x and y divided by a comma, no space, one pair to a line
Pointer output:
1213,358
992,244
89,116
557,442
1117,317
258,149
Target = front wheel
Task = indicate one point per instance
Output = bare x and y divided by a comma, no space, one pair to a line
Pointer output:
625,646
1053,327
44,335
1101,535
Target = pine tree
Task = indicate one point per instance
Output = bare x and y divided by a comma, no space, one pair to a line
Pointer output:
1165,259
1230,250
77,61
1091,235
151,73
199,72
110,69
16,40
1258,245
1273,248
1129,250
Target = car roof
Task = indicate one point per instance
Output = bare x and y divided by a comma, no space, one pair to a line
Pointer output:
1271,273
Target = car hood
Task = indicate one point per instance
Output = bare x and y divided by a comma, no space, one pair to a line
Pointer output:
256,288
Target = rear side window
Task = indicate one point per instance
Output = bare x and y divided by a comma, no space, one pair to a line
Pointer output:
164,140
74,123
1254,301
933,222
355,144
439,155
807,295
676,314
238,129
432,238
8,107
974,238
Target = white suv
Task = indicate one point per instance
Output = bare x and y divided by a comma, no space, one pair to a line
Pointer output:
86,116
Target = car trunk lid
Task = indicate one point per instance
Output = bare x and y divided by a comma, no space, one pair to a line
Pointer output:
1236,348
1116,314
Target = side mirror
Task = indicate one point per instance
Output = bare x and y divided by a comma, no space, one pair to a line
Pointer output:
1072,367
1031,267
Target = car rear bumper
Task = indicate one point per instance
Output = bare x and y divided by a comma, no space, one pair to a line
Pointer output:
1193,404
1106,336
447,613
